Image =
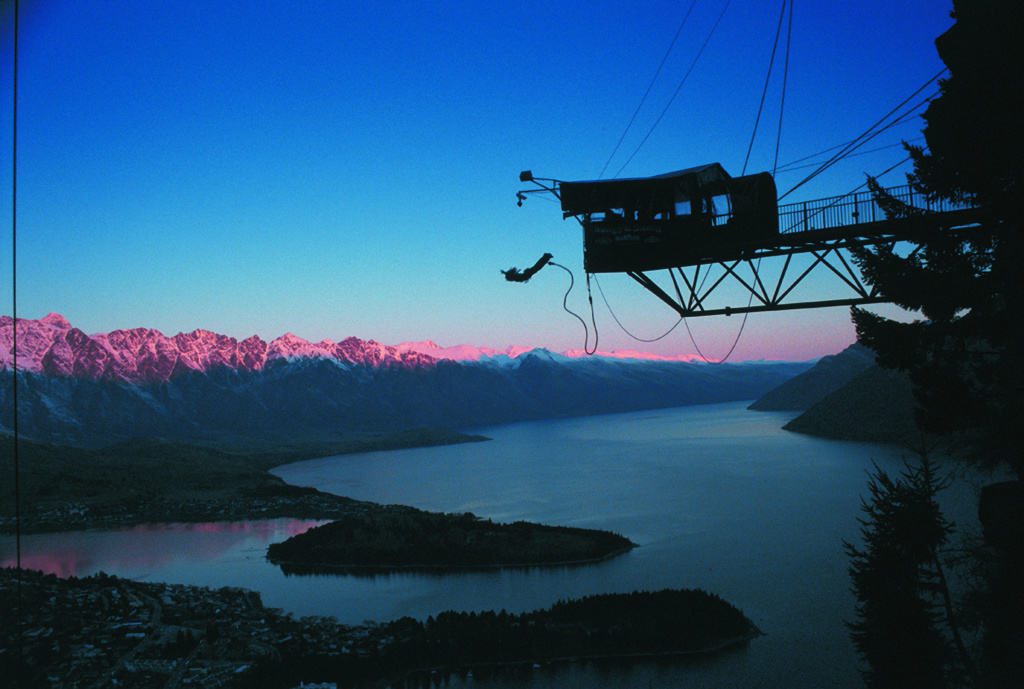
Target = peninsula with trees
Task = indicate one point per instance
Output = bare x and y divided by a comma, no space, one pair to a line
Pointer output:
108,631
150,480
156,481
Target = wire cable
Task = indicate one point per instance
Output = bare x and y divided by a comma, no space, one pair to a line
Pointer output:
593,319
792,167
752,136
785,78
565,306
624,328
902,118
853,145
19,615
852,191
643,99
764,91
676,92
728,354
775,163
857,142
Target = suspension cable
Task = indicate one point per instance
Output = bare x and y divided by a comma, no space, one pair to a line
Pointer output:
852,191
565,306
851,146
792,167
624,328
856,142
785,77
775,163
764,91
643,98
593,319
752,136
902,118
676,92
727,354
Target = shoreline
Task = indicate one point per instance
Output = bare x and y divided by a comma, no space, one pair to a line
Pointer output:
718,647
397,538
135,629
311,506
159,482
211,512
302,569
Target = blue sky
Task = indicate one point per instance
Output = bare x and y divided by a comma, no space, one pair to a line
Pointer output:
340,168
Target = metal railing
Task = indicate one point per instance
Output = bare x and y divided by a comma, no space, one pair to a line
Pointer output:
853,209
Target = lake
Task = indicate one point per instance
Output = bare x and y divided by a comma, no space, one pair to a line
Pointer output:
716,497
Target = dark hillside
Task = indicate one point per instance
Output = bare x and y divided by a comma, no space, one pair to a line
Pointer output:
153,480
315,400
875,406
828,375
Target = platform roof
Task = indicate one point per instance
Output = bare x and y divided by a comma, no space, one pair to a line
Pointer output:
634,192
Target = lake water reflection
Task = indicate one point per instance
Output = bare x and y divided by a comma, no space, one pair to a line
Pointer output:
140,551
717,497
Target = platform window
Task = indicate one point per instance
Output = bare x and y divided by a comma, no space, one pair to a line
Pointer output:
721,208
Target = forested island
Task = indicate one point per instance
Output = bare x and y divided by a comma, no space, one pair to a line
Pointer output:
404,537
108,631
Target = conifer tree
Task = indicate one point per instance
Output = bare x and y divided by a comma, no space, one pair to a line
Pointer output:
905,629
963,355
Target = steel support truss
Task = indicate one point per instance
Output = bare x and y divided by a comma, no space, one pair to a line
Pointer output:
691,295
822,229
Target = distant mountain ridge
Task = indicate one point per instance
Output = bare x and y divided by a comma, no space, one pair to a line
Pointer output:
52,346
200,386
828,375
471,353
877,405
847,396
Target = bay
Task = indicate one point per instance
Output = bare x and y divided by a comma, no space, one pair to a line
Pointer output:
716,497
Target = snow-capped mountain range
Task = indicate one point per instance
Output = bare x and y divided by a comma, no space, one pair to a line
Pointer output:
52,346
84,389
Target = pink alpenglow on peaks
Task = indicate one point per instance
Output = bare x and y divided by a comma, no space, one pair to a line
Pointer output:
471,353
635,355
460,352
35,340
290,346
52,346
